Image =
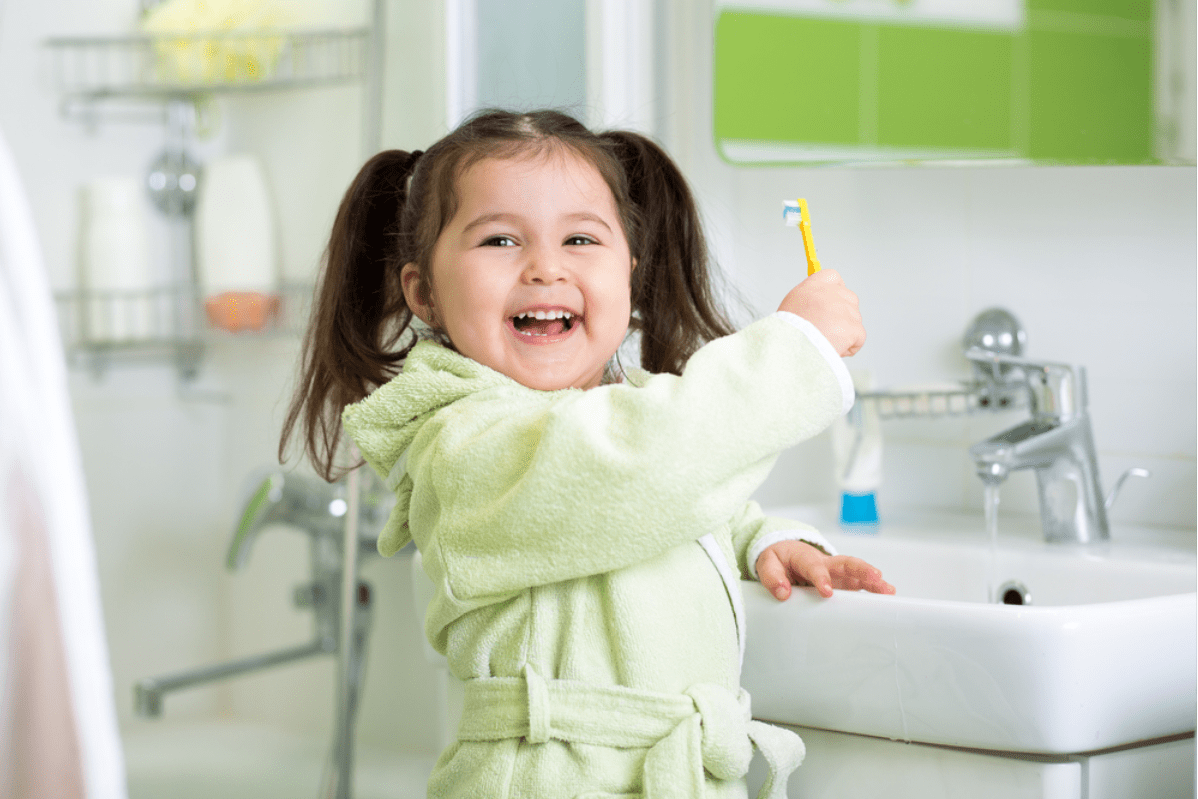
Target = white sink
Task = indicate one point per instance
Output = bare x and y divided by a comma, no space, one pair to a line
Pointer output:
1104,656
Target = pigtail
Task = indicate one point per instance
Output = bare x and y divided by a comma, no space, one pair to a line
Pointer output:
674,305
353,341
361,326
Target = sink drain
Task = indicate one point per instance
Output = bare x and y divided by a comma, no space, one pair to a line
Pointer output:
1013,592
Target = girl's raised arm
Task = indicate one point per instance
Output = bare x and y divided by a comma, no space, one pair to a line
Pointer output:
512,488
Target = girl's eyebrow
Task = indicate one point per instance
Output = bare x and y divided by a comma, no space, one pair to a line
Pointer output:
505,217
587,216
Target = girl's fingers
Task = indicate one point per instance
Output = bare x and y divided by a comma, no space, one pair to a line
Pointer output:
801,563
826,276
772,574
816,573
857,344
854,574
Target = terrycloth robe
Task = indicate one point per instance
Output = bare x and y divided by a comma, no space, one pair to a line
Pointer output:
581,542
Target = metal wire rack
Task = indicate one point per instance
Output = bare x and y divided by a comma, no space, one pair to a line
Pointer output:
182,64
99,327
104,78
970,398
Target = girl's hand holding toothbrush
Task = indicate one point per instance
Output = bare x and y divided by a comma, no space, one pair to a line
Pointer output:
798,562
826,302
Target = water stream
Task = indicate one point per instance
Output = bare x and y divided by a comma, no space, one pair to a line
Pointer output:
990,504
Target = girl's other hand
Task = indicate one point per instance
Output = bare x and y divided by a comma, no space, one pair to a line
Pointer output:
826,302
800,563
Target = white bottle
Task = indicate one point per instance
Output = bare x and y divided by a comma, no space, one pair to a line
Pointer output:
857,459
115,269
235,244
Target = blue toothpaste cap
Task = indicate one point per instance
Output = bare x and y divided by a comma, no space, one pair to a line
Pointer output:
858,509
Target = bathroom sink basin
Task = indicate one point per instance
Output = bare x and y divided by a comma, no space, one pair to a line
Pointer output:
1104,655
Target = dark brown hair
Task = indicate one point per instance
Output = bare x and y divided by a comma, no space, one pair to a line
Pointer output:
398,204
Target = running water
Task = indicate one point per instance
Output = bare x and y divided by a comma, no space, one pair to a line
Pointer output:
990,503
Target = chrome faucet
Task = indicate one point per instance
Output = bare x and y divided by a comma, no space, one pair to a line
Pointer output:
1057,441
299,502
318,509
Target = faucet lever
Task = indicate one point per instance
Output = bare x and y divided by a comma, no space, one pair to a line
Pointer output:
1056,390
989,356
267,495
1134,471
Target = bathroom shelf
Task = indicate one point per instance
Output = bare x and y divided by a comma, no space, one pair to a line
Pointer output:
170,79
174,65
168,322
969,399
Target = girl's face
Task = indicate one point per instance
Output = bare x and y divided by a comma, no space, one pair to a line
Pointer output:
532,275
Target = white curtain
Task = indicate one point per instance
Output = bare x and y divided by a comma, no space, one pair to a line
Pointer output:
57,713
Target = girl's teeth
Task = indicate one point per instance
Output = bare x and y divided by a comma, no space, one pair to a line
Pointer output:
543,315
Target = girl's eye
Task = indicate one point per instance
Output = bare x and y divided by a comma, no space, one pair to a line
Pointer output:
580,239
500,241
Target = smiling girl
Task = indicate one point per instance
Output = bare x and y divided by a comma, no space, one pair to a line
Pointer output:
531,275
586,529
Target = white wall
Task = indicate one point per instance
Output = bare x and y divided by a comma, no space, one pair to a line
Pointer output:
1098,263
166,461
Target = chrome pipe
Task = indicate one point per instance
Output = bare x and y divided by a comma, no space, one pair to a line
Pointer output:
148,693
348,662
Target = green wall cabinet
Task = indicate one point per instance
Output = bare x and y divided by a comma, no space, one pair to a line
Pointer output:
1073,83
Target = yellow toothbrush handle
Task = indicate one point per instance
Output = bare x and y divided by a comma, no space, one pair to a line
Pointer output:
808,240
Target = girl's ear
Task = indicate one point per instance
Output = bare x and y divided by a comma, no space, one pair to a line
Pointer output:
416,294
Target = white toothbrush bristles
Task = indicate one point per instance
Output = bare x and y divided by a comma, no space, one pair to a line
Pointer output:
792,215
795,214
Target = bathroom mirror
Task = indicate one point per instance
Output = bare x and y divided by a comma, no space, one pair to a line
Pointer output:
503,62
995,81
594,59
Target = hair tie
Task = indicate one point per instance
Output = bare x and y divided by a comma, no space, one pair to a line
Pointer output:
413,158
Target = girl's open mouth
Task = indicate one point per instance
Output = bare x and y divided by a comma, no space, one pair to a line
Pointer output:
541,324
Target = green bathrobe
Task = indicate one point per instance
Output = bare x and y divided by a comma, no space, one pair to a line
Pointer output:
581,542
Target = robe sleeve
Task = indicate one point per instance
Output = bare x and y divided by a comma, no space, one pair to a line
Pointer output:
753,532
533,489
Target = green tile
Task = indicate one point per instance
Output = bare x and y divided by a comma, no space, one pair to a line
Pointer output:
1075,86
940,87
786,79
1138,10
1091,97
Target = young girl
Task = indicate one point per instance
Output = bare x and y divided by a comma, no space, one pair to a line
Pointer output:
585,529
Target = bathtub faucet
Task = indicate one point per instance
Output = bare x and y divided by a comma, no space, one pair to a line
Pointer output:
317,508
1057,442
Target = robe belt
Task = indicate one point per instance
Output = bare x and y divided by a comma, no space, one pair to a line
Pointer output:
707,727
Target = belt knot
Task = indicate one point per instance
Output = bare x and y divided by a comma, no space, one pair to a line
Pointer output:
539,709
706,728
724,742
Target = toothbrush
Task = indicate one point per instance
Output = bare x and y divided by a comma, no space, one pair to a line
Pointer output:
795,214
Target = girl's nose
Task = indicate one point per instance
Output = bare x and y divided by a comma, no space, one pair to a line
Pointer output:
544,267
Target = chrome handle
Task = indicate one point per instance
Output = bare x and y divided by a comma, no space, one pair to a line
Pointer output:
268,493
1134,471
982,355
1057,390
